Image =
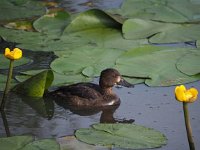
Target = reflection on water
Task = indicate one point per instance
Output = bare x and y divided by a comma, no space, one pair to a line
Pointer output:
45,118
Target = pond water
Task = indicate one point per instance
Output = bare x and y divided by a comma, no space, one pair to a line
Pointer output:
153,107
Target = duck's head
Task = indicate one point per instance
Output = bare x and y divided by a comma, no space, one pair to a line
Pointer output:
110,77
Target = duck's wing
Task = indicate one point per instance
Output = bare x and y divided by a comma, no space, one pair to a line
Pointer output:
87,91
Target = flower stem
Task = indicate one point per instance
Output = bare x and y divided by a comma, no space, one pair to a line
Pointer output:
9,77
188,126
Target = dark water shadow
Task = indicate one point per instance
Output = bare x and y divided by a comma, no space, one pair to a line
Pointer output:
5,123
107,113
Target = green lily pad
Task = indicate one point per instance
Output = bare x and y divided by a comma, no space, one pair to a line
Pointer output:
96,59
53,23
70,142
44,144
20,36
122,135
4,63
27,143
62,79
190,63
59,79
159,32
20,9
91,19
15,142
36,85
166,10
156,64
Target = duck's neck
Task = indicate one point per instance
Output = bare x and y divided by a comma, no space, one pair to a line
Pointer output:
107,91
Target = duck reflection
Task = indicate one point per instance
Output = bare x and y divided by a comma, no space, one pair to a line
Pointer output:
107,112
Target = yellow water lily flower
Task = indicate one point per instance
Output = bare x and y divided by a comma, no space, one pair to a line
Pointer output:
184,95
15,54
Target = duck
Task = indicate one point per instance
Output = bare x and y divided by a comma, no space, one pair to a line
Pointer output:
91,95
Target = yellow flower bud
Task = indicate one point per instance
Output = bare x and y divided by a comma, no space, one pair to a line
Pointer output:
184,95
15,54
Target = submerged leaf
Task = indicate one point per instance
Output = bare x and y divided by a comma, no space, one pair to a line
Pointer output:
36,85
122,135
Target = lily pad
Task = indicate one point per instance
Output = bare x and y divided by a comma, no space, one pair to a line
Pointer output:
190,63
71,143
96,59
52,23
157,65
15,142
166,10
36,85
20,9
44,144
122,135
4,63
27,143
92,19
59,79
159,32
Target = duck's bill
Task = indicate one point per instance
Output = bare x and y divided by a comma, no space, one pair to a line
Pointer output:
125,83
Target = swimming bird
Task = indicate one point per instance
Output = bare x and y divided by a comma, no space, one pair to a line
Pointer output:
92,95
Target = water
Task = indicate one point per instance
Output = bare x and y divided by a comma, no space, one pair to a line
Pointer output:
153,107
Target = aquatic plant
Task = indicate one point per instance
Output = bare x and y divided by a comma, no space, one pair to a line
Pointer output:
187,96
15,54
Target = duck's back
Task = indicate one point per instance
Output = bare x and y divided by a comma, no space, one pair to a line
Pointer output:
84,95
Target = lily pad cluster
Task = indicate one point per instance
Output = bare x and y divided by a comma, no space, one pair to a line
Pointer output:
91,41
27,142
121,135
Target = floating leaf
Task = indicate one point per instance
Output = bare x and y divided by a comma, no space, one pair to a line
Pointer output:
15,142
59,79
20,9
70,142
44,144
53,23
36,85
166,10
190,63
27,143
160,32
97,58
92,19
156,64
20,36
122,135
